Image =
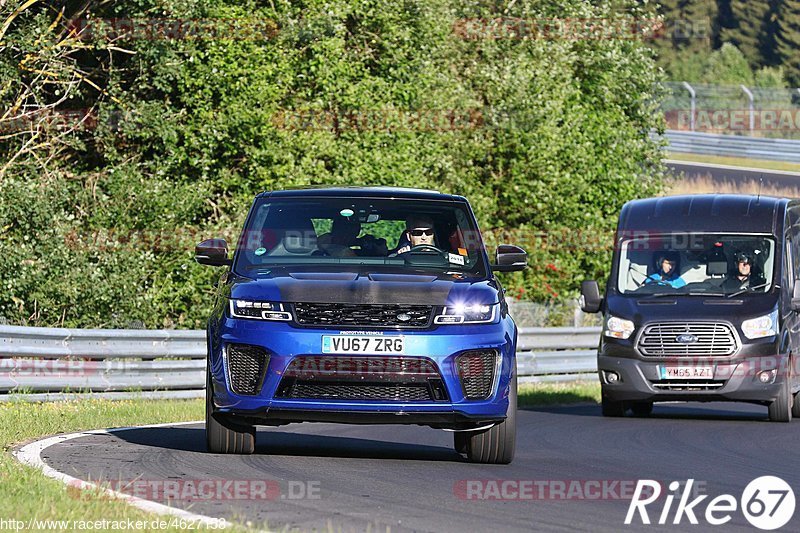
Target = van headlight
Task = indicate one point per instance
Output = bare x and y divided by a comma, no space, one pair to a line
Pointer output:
258,310
763,326
467,314
619,328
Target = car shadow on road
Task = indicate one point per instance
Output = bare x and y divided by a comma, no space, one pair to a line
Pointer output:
271,441
667,411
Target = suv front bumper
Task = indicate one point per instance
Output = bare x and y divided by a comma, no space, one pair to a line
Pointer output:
440,345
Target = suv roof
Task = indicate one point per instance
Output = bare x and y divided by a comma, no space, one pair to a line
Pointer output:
364,192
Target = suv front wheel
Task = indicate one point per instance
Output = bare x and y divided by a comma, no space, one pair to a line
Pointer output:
221,435
496,444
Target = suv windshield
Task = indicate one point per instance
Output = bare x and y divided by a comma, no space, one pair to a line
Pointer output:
396,235
696,263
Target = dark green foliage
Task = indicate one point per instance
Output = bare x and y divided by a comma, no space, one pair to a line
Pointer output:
546,137
751,30
788,39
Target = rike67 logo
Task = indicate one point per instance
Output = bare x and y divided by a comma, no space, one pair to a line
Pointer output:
767,503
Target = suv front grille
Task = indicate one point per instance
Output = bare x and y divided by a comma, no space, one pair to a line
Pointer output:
710,339
395,379
247,366
379,316
476,370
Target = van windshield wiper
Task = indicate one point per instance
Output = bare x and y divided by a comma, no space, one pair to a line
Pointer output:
748,289
689,293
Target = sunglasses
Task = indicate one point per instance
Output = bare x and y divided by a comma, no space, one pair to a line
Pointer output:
420,232
744,261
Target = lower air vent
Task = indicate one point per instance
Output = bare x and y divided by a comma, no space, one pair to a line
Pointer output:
476,369
247,366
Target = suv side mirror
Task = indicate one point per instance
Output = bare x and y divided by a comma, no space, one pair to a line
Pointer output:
213,252
590,300
795,304
510,258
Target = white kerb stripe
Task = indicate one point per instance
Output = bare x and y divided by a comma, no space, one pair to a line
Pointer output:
31,454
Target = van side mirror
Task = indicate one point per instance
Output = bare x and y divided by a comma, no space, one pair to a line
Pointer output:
590,300
796,296
213,252
510,258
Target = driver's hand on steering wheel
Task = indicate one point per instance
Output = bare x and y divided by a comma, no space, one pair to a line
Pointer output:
404,249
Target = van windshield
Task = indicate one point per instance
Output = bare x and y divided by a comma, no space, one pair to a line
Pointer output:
696,263
353,234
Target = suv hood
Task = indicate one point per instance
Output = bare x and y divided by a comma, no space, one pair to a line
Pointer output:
373,288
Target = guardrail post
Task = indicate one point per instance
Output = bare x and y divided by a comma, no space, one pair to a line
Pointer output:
692,103
752,108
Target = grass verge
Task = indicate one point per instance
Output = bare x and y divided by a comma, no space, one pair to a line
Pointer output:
702,185
27,495
537,394
734,161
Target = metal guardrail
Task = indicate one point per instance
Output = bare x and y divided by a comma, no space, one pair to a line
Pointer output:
46,364
733,145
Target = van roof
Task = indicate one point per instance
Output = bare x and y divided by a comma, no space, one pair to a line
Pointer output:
704,212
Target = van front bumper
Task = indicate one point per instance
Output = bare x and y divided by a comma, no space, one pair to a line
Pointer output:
734,379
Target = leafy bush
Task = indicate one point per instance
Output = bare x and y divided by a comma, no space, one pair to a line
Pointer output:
546,137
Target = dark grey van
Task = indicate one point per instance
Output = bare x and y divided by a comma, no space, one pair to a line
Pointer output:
702,304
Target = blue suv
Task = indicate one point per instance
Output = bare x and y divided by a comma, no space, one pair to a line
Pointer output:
362,306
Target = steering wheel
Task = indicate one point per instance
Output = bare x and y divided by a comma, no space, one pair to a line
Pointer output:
425,248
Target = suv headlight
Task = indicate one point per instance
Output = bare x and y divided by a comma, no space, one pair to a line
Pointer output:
763,326
619,328
258,310
467,314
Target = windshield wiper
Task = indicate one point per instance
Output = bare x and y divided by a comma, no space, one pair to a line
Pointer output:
748,289
690,293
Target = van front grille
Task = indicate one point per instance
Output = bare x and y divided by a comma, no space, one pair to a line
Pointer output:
692,339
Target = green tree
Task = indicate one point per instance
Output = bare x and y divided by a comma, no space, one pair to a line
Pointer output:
543,133
690,30
728,66
788,39
751,30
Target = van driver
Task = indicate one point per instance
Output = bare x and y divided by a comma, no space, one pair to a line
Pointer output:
743,278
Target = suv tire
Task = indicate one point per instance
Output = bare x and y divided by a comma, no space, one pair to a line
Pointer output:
221,435
496,444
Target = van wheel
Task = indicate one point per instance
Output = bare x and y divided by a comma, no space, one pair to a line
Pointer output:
221,435
496,444
613,408
642,408
781,409
796,406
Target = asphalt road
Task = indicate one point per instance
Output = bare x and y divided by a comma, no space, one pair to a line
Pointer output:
722,173
407,478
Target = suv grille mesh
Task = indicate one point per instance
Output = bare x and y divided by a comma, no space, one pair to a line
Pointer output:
396,392
476,370
247,366
394,315
705,338
396,379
